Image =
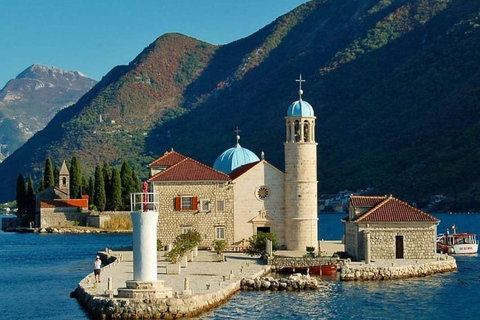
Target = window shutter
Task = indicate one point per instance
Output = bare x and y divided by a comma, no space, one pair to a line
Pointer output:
194,203
178,203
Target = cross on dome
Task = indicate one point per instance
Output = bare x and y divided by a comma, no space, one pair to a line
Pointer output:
300,91
237,131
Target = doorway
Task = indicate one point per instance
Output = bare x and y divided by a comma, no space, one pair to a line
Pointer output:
399,247
263,229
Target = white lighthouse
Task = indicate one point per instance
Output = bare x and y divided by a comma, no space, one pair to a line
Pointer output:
301,211
144,213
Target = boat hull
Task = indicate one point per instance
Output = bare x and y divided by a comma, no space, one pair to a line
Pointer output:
327,269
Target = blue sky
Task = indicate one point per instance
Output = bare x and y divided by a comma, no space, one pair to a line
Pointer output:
93,36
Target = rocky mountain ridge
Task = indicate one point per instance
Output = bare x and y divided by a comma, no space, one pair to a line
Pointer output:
29,102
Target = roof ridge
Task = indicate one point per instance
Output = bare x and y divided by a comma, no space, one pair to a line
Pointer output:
168,153
169,168
208,167
369,212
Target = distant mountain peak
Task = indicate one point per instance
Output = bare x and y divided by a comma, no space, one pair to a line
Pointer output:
39,71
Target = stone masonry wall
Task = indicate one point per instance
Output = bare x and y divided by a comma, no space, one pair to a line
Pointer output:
418,242
62,217
172,223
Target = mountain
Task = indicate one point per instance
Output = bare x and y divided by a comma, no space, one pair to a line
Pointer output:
394,85
29,102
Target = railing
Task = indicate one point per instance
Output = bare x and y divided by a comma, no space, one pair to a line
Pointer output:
145,201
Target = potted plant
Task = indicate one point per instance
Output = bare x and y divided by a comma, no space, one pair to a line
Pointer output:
311,251
219,246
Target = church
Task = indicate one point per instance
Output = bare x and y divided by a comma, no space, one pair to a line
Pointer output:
243,194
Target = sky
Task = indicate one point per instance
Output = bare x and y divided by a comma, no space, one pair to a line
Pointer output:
93,36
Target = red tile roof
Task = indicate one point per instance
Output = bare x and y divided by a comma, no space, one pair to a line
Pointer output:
393,210
65,203
190,170
168,159
366,201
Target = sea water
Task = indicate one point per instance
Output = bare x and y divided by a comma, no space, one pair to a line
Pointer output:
38,272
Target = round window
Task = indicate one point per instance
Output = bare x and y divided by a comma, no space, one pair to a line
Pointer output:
263,192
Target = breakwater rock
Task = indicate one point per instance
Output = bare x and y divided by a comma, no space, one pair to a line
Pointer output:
291,283
386,270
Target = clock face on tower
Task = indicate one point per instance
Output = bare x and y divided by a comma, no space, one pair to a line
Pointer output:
263,192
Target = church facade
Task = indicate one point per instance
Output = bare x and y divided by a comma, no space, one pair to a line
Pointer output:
243,194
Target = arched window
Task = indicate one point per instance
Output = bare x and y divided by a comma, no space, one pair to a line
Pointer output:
306,131
64,181
297,131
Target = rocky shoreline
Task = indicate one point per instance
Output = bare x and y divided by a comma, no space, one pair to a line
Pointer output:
64,230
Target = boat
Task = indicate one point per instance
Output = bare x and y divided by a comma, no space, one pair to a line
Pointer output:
457,243
325,269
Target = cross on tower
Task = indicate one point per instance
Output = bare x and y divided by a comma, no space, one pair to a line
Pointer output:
300,92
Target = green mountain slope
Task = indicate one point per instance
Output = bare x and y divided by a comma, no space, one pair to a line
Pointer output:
394,85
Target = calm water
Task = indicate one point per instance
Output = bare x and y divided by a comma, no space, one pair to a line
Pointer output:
39,271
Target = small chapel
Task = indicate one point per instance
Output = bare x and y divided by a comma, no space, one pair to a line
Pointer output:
243,194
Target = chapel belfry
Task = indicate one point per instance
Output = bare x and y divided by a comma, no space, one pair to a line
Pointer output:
301,204
64,179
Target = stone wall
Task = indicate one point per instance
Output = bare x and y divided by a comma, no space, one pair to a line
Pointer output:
101,219
172,223
293,282
413,268
62,217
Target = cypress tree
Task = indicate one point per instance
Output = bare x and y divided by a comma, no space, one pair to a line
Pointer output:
91,188
106,171
136,182
48,179
100,198
116,189
56,174
127,184
30,200
21,196
75,179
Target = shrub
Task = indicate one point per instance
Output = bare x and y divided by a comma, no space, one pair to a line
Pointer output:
183,243
257,243
219,246
310,249
159,245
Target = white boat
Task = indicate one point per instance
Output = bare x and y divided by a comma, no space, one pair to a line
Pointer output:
457,243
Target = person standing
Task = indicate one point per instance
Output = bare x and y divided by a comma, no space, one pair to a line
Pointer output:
96,269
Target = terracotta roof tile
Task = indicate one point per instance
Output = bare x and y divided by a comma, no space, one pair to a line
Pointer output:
168,159
366,201
190,170
64,203
393,210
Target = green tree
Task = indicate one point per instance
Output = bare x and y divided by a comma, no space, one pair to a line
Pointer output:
56,174
91,188
128,185
48,178
107,177
257,243
100,199
137,186
116,191
21,196
30,200
75,179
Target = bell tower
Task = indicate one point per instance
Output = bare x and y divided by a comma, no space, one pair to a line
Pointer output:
64,179
301,203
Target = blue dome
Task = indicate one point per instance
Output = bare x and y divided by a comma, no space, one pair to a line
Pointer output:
233,158
300,108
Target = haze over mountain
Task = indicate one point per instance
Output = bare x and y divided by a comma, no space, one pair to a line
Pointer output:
394,85
29,102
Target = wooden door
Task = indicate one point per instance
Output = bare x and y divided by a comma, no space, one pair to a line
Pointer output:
399,247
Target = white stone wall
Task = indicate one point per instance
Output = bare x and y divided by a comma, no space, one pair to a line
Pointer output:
247,205
171,223
301,205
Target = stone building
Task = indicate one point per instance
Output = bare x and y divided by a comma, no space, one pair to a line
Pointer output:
383,227
54,208
242,194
